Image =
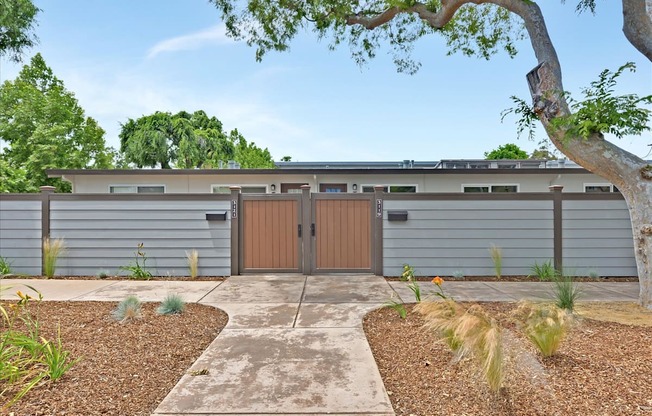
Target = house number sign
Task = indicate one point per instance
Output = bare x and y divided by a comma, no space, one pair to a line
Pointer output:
234,209
379,208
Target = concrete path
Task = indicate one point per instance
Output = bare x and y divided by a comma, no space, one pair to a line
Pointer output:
293,345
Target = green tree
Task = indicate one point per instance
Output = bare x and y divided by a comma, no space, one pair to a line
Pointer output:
476,28
187,141
506,151
543,153
17,21
250,156
43,127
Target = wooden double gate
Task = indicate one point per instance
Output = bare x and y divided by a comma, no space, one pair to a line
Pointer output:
306,233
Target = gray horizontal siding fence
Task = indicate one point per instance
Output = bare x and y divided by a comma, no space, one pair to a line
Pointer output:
442,237
101,233
20,232
597,237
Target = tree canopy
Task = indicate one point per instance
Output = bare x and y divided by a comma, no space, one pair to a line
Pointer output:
187,141
17,21
44,127
506,151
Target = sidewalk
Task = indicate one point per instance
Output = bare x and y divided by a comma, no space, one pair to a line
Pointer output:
294,344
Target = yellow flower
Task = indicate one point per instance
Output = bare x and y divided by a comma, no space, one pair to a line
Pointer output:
21,295
438,280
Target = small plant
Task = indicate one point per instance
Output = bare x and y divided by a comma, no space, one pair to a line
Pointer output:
438,281
544,325
408,276
566,292
26,358
57,360
398,307
52,249
173,304
545,272
138,270
129,309
102,274
5,267
469,332
594,275
458,274
496,254
193,261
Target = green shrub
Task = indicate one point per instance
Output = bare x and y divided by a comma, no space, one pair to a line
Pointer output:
496,254
172,305
545,272
52,249
129,309
458,274
594,275
102,274
544,325
5,266
469,332
566,292
136,269
56,359
398,307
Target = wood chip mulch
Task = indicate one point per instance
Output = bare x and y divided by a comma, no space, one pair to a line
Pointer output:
125,368
602,368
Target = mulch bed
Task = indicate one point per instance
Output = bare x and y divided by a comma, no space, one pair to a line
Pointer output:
602,368
518,279
125,368
155,278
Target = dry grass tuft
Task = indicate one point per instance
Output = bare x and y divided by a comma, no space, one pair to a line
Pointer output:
52,249
544,325
470,333
193,262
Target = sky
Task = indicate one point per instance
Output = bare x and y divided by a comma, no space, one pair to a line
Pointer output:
125,59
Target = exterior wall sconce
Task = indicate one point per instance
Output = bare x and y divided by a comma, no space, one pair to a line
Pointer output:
355,188
273,188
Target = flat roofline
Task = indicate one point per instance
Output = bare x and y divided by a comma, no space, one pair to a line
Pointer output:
57,173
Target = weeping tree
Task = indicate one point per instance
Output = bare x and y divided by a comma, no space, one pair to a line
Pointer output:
482,28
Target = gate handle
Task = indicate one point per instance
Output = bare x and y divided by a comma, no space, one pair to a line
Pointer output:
299,230
312,229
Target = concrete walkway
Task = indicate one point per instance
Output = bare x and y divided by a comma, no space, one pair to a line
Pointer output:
294,344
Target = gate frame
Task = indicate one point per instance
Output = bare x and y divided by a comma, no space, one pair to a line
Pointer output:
372,230
267,197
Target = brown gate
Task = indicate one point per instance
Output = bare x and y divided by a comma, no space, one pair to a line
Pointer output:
270,233
342,233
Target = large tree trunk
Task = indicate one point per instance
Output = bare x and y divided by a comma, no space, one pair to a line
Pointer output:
640,211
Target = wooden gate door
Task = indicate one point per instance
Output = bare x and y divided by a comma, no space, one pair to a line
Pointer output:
270,233
342,233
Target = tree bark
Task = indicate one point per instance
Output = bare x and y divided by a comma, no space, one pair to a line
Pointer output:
637,25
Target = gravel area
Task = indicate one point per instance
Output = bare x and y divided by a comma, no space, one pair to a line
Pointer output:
125,368
602,368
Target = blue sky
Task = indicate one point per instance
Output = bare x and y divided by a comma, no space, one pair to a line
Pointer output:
124,59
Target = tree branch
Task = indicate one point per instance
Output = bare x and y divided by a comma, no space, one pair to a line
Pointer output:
637,25
436,19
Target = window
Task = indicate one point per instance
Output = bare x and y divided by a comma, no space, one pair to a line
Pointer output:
245,189
596,188
136,189
332,187
291,188
391,188
489,188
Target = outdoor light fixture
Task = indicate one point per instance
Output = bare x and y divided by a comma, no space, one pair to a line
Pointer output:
273,187
355,188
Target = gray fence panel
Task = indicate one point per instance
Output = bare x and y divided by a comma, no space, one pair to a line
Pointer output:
20,235
102,236
598,238
445,237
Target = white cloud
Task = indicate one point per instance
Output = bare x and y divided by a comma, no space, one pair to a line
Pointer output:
215,35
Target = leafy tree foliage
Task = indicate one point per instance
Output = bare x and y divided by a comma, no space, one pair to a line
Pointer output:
17,20
543,153
43,127
506,151
186,141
